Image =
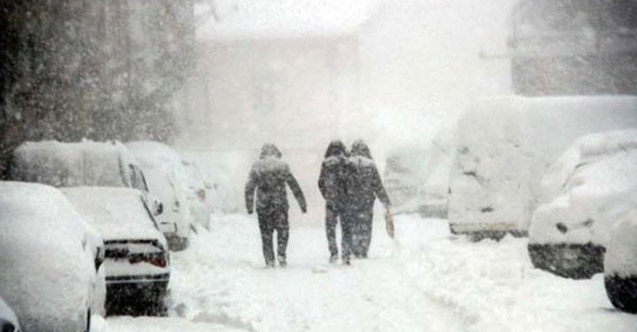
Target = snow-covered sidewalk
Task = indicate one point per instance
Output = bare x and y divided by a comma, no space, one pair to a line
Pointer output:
428,281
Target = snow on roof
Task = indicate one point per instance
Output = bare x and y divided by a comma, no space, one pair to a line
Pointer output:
281,19
44,268
586,149
71,164
117,213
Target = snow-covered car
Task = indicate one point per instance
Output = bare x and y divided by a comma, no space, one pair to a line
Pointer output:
47,267
85,163
620,264
197,192
8,319
584,193
136,262
505,144
166,179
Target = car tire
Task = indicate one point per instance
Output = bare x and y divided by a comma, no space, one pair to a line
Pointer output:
582,262
622,292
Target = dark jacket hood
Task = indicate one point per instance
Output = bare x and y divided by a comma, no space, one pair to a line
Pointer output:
359,148
336,148
270,150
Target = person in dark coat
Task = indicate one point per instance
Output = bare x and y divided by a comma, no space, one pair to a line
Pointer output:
268,177
365,186
333,184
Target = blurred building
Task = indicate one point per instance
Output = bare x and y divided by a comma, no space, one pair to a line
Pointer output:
285,72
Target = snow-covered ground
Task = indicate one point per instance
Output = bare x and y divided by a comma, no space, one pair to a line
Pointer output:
426,281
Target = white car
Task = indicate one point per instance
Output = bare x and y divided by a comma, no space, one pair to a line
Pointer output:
86,163
166,179
197,192
620,264
584,193
47,262
8,319
136,262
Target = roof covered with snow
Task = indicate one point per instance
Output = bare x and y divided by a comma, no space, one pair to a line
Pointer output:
280,19
72,164
116,213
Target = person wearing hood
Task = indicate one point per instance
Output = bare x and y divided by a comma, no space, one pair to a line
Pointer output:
365,186
268,177
334,185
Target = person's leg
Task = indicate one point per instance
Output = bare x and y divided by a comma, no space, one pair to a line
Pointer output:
358,233
330,230
265,226
282,235
346,236
366,221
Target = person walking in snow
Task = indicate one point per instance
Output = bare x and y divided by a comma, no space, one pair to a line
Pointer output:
365,186
333,184
268,177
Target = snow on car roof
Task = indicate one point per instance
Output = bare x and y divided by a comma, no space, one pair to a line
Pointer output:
117,213
59,164
266,19
586,149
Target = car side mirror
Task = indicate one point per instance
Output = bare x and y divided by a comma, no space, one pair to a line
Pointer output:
160,208
99,258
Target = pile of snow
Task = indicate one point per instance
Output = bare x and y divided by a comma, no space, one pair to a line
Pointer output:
585,150
72,164
116,213
621,250
591,186
504,146
46,267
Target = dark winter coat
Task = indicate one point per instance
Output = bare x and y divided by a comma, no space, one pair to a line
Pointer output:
268,177
366,184
335,175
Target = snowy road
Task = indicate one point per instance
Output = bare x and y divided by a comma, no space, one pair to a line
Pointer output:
430,281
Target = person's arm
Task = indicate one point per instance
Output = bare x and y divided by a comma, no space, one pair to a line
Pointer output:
379,189
250,187
321,181
296,189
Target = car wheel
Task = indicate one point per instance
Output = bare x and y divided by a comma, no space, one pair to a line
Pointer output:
622,292
575,261
88,320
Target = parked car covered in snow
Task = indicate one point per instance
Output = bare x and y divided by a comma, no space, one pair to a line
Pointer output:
620,263
197,192
136,262
86,163
8,319
585,193
166,179
47,267
504,146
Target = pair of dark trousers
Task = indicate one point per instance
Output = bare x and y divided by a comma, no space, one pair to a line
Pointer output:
361,231
333,215
269,222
